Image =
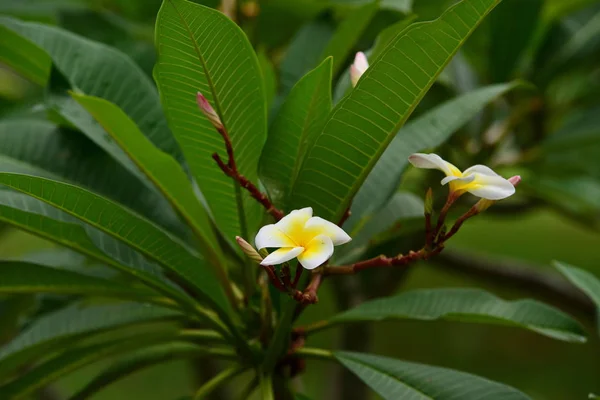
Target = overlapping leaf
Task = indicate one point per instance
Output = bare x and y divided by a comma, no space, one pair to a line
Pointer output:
394,379
469,305
98,70
362,125
294,129
585,281
200,49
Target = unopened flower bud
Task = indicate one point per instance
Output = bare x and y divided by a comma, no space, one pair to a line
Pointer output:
429,202
209,111
358,68
484,204
249,250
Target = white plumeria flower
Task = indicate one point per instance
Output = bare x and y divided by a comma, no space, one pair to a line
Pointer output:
301,235
478,179
358,68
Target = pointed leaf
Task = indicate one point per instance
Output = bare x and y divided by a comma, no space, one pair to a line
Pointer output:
124,225
42,335
295,127
161,169
23,56
24,277
200,49
426,132
394,379
362,125
99,70
585,281
468,305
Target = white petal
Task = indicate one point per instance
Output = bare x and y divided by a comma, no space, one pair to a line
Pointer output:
322,226
433,161
465,179
491,187
272,236
361,62
317,251
293,224
480,169
282,255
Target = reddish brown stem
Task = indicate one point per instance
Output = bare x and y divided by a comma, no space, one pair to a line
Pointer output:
298,275
286,276
471,213
345,217
273,278
378,262
310,293
428,231
442,217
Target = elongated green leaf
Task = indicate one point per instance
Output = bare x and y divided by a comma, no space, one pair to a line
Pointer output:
102,71
23,56
161,169
394,379
269,77
585,281
74,359
296,126
41,148
136,362
39,218
469,305
513,25
23,277
428,131
402,206
347,34
123,225
40,337
200,49
362,125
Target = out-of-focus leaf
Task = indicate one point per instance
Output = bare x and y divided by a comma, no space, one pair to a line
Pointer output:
41,219
142,359
404,6
585,281
362,125
468,305
426,132
200,49
303,54
347,34
513,24
23,56
40,8
73,359
102,71
161,169
269,77
41,148
402,206
122,224
23,277
45,332
294,129
394,379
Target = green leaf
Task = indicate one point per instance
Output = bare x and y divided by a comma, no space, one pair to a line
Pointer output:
40,219
23,56
101,71
394,379
295,127
587,282
426,132
513,25
362,125
136,362
41,337
122,224
24,277
74,359
41,148
200,49
402,206
161,169
468,305
269,77
347,34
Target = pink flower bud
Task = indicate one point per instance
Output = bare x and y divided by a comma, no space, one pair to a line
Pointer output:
209,111
358,68
515,180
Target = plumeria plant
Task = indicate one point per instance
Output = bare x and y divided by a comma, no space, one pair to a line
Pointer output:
202,218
